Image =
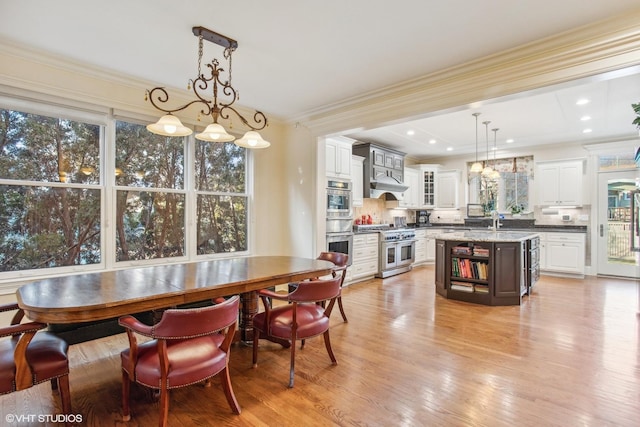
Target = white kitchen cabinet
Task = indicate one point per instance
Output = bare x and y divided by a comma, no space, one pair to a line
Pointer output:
562,253
411,198
427,184
560,183
338,158
447,184
431,247
421,247
357,176
365,257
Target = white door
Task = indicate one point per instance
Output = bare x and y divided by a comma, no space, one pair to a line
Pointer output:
615,256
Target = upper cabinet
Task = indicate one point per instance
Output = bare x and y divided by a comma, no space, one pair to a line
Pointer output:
412,195
338,158
357,173
560,183
447,184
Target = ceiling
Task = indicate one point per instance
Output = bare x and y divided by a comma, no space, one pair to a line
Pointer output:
297,57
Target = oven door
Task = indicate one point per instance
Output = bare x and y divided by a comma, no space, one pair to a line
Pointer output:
338,203
341,242
406,252
388,255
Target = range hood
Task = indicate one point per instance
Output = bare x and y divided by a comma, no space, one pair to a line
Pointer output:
387,188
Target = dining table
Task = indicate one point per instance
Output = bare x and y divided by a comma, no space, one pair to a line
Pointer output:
102,295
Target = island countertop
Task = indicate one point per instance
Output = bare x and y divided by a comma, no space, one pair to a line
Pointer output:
487,236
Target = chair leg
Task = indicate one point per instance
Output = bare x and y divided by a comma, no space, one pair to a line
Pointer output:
65,394
327,343
344,316
293,362
164,405
256,338
228,391
126,386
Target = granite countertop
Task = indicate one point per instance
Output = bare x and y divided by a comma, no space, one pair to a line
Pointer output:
569,228
487,236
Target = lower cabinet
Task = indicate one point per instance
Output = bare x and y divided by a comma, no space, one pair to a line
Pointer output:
562,253
365,257
425,246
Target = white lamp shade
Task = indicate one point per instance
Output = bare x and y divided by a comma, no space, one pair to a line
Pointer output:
215,133
486,172
495,175
169,125
252,139
476,167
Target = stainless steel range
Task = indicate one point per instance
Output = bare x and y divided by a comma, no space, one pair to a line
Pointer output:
397,251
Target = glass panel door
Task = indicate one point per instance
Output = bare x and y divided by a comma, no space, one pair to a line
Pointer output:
616,232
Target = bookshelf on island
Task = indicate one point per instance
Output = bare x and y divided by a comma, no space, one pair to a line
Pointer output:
485,267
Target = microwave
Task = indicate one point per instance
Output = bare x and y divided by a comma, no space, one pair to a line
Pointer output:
338,202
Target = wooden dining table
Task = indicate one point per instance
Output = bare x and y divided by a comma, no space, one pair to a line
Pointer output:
110,294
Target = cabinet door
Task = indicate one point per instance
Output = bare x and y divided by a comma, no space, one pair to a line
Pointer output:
565,257
344,159
431,249
441,267
570,183
447,190
507,269
331,156
411,180
357,177
428,189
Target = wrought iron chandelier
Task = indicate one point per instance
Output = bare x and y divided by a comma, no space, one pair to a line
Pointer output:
170,125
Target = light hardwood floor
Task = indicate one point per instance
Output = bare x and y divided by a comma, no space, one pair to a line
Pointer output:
568,356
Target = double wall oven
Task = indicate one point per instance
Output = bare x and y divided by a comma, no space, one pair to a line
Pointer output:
339,217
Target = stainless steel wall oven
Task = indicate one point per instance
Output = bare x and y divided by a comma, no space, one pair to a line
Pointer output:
341,242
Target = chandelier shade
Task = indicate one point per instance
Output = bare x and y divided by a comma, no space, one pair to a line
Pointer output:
252,139
222,95
215,133
169,125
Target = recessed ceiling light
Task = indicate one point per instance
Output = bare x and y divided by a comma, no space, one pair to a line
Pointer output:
432,141
582,101
585,118
411,132
587,131
449,148
509,141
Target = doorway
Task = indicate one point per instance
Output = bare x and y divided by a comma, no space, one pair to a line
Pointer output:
615,256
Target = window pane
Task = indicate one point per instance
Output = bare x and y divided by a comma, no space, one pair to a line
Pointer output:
222,224
44,227
149,225
220,167
40,148
144,159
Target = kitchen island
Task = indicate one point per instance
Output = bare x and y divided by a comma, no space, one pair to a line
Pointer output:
486,267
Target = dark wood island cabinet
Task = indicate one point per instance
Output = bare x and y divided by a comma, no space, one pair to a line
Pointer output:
486,267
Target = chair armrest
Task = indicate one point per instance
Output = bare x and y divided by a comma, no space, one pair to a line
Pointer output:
274,295
133,324
9,307
21,328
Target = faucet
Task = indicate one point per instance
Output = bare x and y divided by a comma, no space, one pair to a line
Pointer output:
496,220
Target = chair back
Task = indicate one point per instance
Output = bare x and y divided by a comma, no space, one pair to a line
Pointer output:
194,322
316,290
337,258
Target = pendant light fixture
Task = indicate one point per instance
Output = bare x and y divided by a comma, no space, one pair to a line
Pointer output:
477,166
495,175
170,125
487,171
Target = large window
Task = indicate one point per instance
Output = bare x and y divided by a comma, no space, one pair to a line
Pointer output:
162,197
49,197
507,193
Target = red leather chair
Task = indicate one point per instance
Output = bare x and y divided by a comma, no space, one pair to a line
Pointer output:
340,260
30,357
301,319
188,346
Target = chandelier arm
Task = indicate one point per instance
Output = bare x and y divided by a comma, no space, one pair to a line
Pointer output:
259,118
164,97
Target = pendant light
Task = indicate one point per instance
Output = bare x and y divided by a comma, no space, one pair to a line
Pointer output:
487,171
495,175
477,166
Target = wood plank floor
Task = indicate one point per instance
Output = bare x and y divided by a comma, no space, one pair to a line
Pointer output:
569,356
